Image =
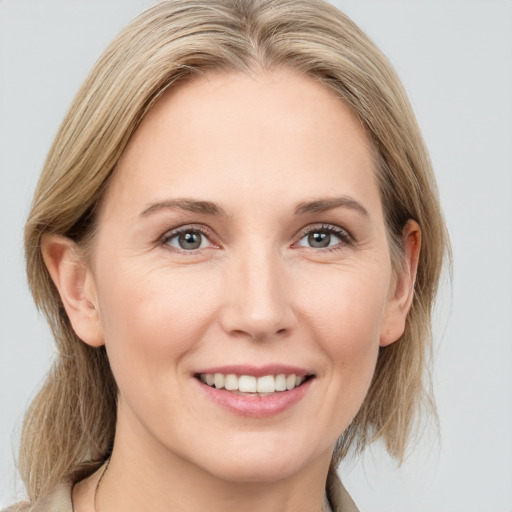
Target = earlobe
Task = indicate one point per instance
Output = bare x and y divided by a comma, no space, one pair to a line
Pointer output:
402,294
75,283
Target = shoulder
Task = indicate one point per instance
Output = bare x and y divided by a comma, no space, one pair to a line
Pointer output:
59,500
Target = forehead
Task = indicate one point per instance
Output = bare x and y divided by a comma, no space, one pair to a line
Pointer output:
274,132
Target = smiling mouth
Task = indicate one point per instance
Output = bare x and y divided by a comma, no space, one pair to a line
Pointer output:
251,385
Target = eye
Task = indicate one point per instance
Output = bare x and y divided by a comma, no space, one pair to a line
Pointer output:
322,237
188,239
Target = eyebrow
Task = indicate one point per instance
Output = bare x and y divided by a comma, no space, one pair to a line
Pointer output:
187,205
323,205
213,209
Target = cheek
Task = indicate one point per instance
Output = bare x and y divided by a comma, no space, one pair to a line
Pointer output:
345,311
152,319
347,306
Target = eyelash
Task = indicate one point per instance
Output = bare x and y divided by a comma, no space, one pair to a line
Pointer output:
169,235
345,237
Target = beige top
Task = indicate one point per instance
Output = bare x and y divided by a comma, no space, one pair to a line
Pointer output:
60,499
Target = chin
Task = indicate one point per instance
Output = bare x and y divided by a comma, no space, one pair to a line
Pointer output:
246,472
264,463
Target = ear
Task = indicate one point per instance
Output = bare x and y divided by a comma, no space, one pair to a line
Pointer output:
75,283
402,290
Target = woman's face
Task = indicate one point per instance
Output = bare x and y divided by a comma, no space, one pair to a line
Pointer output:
242,242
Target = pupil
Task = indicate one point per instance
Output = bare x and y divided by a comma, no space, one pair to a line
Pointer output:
319,239
189,240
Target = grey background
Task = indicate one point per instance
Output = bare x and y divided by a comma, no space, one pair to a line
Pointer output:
455,58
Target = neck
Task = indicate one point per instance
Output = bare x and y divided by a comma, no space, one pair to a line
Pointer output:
150,478
186,489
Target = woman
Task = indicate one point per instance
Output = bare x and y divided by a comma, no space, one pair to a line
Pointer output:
237,241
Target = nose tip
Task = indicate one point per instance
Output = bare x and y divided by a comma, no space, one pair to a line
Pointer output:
257,326
258,304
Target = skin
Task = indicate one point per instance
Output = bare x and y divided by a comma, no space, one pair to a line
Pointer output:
256,292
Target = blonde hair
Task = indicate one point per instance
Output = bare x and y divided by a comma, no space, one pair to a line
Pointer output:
69,428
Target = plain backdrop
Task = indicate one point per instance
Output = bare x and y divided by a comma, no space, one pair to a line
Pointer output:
455,58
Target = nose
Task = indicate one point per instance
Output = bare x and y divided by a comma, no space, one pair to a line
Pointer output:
257,301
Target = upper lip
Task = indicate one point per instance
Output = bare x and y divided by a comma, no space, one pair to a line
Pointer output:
256,371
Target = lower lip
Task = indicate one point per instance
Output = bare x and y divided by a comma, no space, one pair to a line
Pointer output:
256,406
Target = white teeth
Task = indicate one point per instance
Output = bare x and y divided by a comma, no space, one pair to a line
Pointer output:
218,380
231,382
266,384
281,382
247,384
290,382
250,384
